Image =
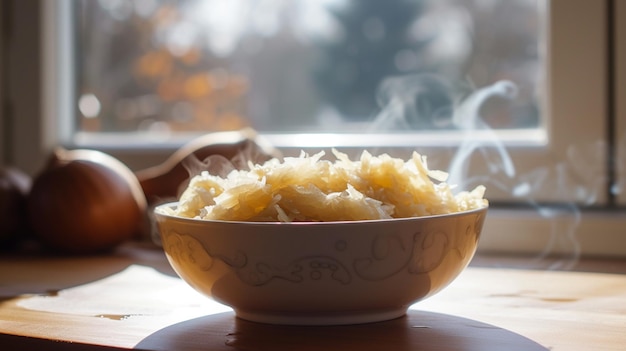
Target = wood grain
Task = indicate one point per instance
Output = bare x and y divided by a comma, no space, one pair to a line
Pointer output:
132,300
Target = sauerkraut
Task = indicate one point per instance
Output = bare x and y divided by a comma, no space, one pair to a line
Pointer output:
309,188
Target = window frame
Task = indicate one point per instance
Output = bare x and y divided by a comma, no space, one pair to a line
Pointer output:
619,86
577,88
4,129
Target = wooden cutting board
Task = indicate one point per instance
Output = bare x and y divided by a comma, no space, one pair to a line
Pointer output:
133,300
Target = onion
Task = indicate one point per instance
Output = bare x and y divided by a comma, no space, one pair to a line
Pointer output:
14,188
86,201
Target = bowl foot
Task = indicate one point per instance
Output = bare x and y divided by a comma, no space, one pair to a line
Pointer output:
322,319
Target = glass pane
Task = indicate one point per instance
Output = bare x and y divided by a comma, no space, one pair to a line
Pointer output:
305,65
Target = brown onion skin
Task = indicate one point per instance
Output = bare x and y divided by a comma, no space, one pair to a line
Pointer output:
14,188
84,202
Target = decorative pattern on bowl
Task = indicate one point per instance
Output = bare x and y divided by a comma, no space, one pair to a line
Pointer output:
321,273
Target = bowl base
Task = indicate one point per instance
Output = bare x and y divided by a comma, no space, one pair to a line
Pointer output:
323,319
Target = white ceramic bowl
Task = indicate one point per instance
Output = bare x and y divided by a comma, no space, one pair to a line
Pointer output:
320,273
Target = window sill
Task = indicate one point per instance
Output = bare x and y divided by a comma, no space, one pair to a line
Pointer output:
567,234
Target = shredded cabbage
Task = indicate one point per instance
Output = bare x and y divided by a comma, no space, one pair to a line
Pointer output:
308,188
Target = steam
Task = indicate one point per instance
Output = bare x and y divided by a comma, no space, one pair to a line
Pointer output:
429,102
221,153
215,164
467,118
414,102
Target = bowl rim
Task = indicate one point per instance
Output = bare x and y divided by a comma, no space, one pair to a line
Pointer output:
159,212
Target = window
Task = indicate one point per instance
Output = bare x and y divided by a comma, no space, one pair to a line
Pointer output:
544,156
302,66
373,75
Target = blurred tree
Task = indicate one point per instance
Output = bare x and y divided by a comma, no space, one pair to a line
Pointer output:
143,83
352,66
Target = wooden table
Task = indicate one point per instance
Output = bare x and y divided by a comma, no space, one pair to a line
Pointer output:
132,300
